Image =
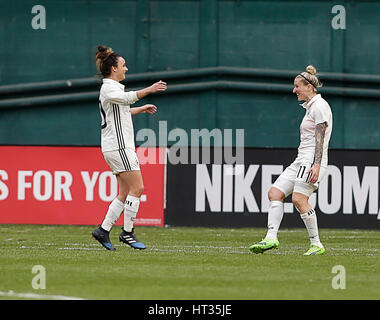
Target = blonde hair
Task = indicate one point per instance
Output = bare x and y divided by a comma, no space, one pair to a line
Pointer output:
309,77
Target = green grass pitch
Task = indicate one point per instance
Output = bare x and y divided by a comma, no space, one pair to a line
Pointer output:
186,264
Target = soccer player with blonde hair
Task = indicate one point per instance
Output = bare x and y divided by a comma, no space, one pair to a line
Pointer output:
302,177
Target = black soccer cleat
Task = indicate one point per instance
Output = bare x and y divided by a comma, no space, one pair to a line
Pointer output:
130,239
103,237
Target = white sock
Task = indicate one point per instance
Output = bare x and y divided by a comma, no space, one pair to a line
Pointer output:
114,212
275,214
310,220
131,207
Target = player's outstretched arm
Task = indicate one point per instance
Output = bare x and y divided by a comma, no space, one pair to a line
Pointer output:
155,87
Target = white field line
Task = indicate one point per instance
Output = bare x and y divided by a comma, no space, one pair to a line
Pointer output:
78,248
156,250
29,295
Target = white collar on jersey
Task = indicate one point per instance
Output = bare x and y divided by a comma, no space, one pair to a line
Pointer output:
307,105
113,82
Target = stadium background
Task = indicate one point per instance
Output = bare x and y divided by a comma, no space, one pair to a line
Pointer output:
228,64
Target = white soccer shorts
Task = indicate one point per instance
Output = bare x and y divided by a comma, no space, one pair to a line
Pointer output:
122,160
296,178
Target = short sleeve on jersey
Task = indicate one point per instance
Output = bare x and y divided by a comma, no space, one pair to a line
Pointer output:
320,113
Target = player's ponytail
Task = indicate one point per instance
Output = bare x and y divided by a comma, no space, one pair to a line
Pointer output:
105,59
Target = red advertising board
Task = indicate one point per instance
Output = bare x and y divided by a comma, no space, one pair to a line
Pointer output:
72,185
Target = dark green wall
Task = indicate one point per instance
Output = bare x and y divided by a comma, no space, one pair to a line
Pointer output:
165,36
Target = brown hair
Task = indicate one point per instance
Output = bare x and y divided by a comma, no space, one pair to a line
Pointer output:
309,77
105,59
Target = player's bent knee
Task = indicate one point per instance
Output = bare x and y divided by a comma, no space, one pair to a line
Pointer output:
137,191
275,194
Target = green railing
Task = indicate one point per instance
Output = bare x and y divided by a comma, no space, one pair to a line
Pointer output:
180,81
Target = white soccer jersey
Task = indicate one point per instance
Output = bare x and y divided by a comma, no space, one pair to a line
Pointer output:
117,126
317,111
